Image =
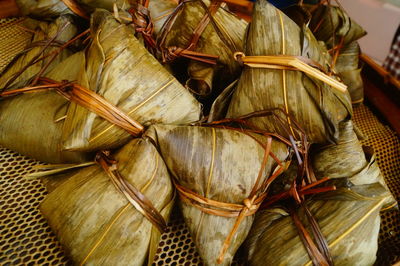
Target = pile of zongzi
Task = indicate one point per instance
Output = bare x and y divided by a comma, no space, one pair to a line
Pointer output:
277,174
123,73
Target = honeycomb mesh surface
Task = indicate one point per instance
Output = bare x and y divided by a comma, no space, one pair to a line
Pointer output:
176,246
387,148
13,39
26,238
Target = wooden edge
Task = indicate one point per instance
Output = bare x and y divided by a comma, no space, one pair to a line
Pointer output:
242,8
381,71
382,91
240,3
9,8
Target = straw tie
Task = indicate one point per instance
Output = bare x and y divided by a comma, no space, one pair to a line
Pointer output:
290,62
298,192
172,52
248,208
85,98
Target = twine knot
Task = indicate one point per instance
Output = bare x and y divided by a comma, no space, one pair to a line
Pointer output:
141,19
171,53
143,23
249,204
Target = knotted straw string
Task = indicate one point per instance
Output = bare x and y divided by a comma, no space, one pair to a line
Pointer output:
143,22
87,99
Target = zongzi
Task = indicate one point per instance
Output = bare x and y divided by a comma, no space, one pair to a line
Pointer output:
32,123
343,159
349,221
204,27
350,160
124,73
288,78
98,223
217,173
332,25
349,70
48,38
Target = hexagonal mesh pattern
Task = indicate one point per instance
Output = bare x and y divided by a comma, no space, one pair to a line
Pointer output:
176,246
13,39
26,238
387,147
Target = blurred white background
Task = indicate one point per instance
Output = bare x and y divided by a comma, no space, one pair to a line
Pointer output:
380,19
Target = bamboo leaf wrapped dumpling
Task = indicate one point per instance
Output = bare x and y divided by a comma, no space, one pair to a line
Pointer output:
221,37
331,23
220,165
63,27
349,221
343,159
122,71
349,160
32,123
96,223
316,106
